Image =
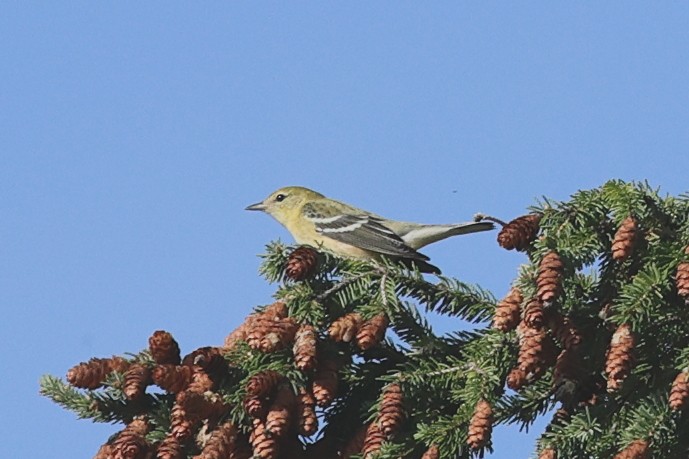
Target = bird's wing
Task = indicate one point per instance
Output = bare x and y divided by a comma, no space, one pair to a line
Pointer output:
360,230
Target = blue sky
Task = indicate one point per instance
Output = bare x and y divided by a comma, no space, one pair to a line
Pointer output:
133,135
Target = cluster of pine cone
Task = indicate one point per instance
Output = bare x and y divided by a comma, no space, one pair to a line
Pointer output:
546,338
192,380
279,415
531,316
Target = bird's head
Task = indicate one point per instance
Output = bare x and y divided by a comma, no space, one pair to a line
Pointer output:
283,203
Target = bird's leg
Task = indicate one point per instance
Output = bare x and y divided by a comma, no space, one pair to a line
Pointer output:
479,217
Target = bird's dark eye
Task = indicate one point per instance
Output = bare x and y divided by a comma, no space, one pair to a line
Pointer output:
280,197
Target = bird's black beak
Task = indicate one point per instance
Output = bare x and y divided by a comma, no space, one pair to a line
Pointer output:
257,206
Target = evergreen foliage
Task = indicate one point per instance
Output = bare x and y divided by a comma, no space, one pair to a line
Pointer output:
625,312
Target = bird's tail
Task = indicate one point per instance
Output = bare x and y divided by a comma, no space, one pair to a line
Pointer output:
427,234
472,227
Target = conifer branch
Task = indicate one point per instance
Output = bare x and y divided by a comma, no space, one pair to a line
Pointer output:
599,330
346,282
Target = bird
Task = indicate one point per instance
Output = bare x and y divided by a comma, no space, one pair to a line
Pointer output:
320,222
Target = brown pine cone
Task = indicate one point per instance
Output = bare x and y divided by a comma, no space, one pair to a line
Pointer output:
131,442
271,334
520,232
198,406
536,352
431,453
508,311
263,444
304,349
301,263
625,239
221,442
682,278
516,378
280,412
355,443
172,378
549,280
262,383
207,358
567,367
307,421
564,330
181,426
200,381
277,310
164,349
237,335
278,336
136,378
548,453
104,452
480,426
679,393
92,374
620,358
325,383
638,449
260,326
256,407
169,448
260,321
345,328
534,313
372,332
391,412
373,440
